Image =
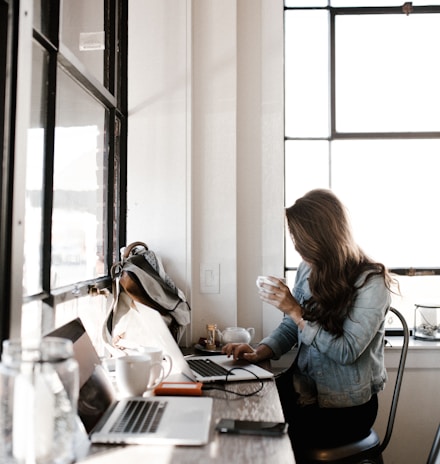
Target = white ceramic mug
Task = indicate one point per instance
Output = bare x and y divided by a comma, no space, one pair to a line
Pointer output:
265,280
160,359
134,373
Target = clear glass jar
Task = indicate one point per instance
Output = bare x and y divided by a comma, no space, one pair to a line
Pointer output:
427,322
39,385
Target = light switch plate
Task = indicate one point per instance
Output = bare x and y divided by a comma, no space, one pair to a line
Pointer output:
210,278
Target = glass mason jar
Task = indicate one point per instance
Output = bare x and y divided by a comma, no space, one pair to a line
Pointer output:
427,322
39,385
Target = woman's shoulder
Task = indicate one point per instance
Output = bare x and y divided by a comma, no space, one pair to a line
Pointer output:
304,269
370,277
373,286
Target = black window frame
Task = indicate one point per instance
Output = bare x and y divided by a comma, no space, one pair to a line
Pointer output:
112,94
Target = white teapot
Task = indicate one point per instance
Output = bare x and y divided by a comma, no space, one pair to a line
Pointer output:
237,335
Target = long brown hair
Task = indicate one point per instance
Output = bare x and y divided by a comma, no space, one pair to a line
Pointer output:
320,229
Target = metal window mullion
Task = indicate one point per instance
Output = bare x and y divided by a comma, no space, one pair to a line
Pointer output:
79,73
109,52
332,74
9,36
120,156
369,10
49,160
384,135
121,53
111,121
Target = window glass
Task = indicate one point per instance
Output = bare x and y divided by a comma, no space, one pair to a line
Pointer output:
34,175
91,310
306,74
390,188
31,316
43,16
79,189
415,290
387,82
306,167
82,31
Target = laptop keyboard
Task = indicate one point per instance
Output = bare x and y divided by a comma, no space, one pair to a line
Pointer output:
140,416
207,368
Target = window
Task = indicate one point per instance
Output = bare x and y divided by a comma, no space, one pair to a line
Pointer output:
362,118
74,187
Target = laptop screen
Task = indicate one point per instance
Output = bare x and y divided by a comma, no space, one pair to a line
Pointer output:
96,390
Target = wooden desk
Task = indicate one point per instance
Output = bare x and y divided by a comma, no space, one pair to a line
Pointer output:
221,449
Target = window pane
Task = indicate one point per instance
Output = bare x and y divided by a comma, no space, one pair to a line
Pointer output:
34,175
91,310
387,82
31,320
82,31
306,168
416,290
306,74
78,222
43,16
391,189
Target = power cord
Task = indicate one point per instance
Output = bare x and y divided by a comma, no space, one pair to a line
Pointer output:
223,389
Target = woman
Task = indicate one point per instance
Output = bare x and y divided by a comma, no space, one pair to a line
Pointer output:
336,315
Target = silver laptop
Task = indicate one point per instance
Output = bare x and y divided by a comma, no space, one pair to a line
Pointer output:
195,368
140,420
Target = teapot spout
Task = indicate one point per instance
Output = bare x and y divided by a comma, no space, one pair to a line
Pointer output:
251,331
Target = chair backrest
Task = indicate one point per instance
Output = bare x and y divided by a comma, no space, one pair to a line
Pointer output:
434,454
399,378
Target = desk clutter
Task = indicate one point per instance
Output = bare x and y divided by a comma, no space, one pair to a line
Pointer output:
215,338
73,410
58,397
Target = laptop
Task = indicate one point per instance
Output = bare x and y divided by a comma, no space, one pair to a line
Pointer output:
205,369
140,420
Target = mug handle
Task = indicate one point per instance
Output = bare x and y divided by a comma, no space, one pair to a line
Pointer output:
159,379
168,359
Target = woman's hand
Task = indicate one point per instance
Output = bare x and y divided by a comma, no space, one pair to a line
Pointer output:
245,351
278,294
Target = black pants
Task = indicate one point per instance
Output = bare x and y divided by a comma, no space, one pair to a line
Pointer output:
313,426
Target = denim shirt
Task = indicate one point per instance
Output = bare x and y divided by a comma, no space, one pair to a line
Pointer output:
337,371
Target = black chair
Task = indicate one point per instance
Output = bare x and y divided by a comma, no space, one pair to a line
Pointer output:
369,449
434,454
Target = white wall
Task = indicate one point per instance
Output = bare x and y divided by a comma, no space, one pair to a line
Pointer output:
205,143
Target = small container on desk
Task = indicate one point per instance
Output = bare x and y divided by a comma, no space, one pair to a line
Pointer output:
39,385
427,322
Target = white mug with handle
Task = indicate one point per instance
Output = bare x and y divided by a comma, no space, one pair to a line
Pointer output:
134,374
161,360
